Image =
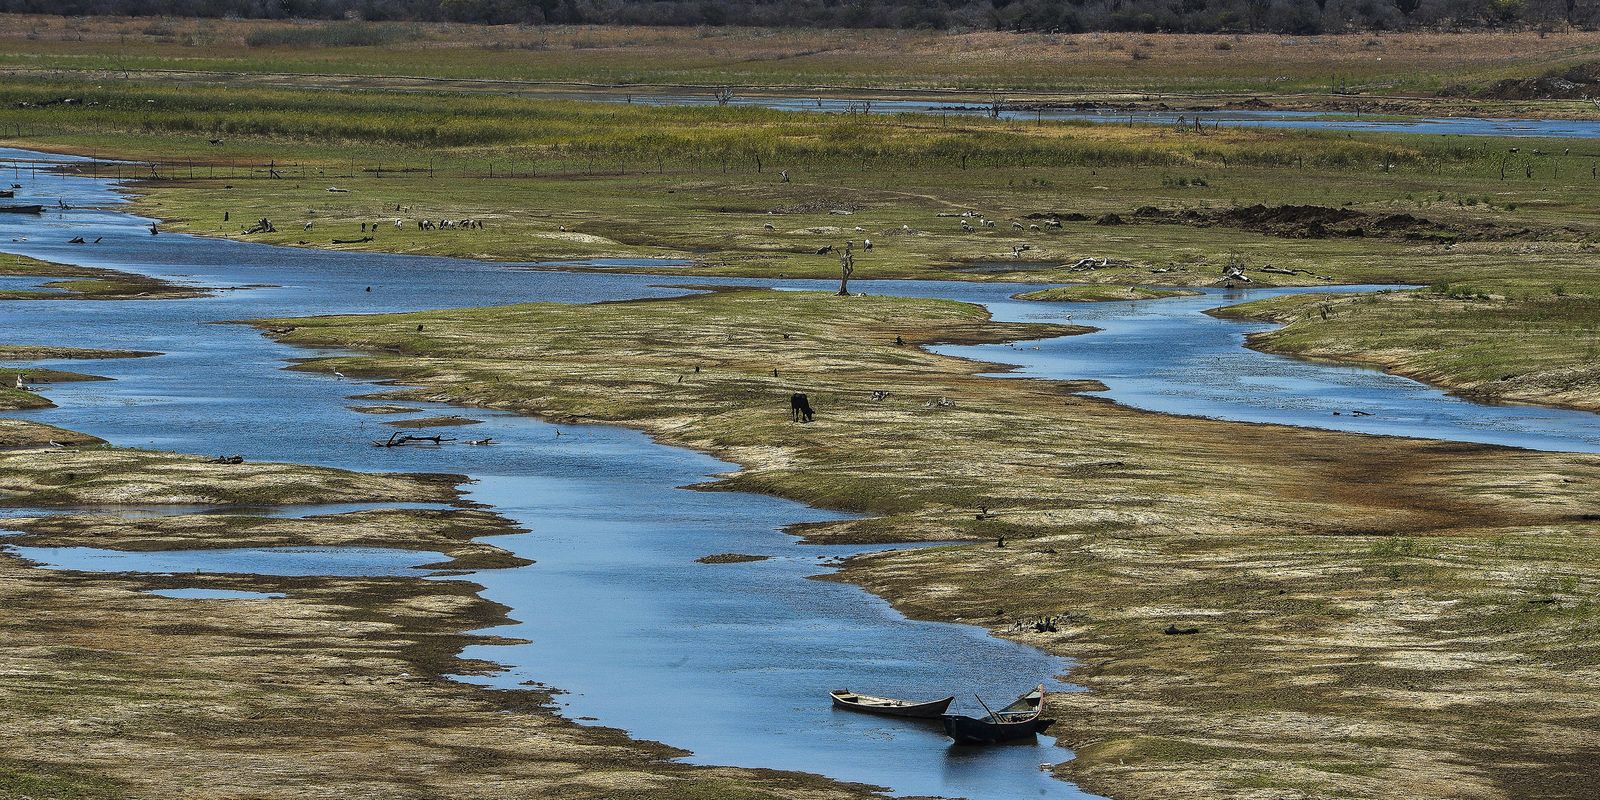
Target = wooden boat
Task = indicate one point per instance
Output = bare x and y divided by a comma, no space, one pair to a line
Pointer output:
22,209
1020,720
888,706
8,192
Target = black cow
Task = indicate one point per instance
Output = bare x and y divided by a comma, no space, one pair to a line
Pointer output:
799,407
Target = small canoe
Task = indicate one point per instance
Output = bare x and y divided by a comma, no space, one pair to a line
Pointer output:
888,706
21,209
1020,720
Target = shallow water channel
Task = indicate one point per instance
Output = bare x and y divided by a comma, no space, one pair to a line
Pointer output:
730,661
1231,117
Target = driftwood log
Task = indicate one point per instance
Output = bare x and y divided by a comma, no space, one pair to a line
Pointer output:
398,439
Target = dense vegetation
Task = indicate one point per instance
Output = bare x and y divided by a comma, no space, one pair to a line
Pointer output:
1283,16
577,136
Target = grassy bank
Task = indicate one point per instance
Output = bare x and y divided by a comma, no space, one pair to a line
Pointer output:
118,476
1537,348
19,387
85,283
1352,595
16,433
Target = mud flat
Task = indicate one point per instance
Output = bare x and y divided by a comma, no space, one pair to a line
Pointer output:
1252,606
326,681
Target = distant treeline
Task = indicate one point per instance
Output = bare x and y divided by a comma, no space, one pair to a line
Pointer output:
1065,16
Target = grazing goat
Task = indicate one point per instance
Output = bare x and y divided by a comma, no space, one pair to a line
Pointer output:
799,407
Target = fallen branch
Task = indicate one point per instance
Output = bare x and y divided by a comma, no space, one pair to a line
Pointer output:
398,439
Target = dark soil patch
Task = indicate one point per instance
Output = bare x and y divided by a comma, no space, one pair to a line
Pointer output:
1573,83
729,558
1324,222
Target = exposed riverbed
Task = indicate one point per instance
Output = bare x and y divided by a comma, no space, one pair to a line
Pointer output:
732,661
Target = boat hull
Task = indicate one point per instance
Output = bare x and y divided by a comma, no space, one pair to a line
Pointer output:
929,710
967,730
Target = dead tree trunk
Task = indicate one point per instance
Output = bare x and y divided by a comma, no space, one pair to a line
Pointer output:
847,267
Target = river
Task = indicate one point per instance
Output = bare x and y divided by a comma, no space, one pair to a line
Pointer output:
730,661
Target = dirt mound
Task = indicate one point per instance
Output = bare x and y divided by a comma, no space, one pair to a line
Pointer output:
1288,215
1574,83
1322,222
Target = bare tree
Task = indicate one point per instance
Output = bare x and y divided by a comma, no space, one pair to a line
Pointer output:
847,267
